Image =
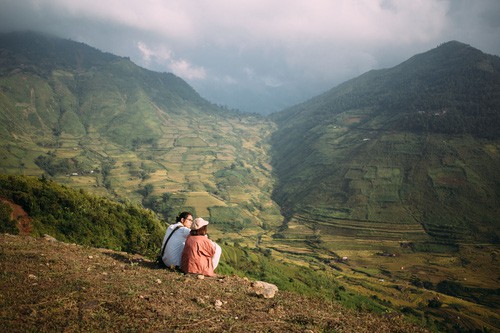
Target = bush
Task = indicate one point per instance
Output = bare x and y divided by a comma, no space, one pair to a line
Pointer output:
7,225
75,216
434,303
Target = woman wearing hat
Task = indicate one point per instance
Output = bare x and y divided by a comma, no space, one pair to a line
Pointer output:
200,254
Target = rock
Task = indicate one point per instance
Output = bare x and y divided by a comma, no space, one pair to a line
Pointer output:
201,277
218,303
267,290
158,281
49,238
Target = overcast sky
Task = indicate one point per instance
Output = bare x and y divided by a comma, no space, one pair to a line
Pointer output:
262,55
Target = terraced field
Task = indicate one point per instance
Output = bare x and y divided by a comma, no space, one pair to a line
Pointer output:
204,162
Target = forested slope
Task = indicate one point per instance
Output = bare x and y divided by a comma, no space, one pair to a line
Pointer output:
416,144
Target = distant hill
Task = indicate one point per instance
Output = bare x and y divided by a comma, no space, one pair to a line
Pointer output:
98,122
389,205
72,88
413,145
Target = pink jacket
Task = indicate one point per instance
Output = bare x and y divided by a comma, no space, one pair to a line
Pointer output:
197,256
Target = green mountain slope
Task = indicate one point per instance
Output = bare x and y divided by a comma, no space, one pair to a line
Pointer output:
96,121
407,153
59,86
76,216
389,205
38,206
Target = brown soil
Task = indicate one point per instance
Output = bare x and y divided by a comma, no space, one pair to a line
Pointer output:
19,215
48,285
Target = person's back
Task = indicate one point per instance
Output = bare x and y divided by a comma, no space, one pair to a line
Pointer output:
173,250
200,254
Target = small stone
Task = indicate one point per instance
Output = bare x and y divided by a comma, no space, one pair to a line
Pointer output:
49,238
218,303
158,281
90,257
201,277
32,277
265,289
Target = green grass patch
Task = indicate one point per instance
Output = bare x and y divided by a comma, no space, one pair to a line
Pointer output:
431,247
228,219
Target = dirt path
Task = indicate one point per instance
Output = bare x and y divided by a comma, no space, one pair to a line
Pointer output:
19,215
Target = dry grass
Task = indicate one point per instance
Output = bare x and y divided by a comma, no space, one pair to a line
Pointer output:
52,286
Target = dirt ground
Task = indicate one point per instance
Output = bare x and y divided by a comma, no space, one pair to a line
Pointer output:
49,286
19,214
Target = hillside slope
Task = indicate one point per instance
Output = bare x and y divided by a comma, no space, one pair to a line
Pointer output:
408,153
52,286
98,122
380,215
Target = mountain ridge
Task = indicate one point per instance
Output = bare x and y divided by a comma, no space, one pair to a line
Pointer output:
399,144
416,69
123,131
389,191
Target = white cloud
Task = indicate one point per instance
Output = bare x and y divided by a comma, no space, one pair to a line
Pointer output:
164,57
313,44
166,18
148,53
186,70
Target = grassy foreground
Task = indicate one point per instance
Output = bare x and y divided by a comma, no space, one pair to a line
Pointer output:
48,285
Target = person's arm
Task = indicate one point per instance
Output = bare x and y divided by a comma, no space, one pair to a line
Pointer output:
207,248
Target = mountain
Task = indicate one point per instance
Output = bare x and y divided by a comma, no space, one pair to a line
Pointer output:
387,207
76,89
35,267
98,122
408,153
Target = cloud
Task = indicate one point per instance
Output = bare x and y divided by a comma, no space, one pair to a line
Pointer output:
272,82
149,54
162,55
225,46
184,69
160,17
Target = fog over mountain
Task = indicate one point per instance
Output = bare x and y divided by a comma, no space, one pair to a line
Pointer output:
259,56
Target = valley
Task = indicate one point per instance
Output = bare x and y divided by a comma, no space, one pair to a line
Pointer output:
369,195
